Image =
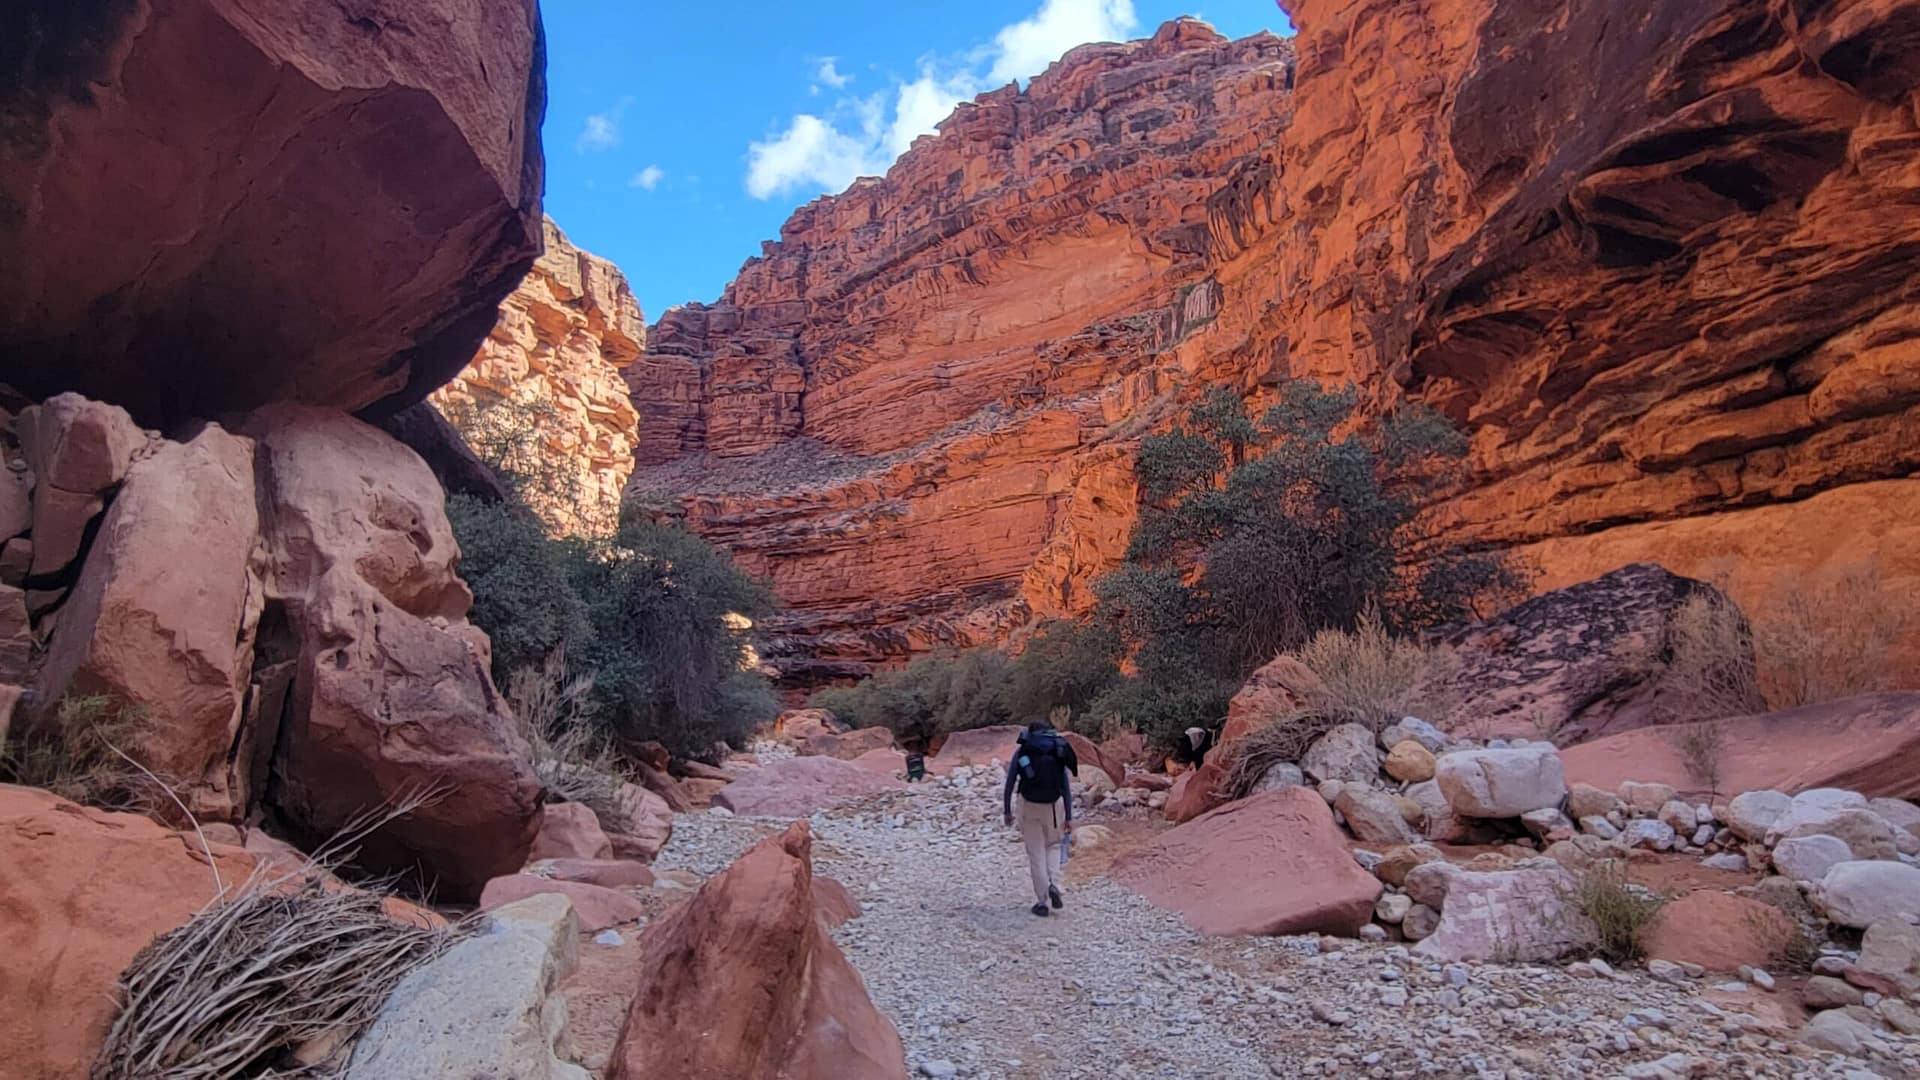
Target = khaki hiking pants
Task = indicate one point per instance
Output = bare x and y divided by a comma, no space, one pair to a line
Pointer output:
1040,828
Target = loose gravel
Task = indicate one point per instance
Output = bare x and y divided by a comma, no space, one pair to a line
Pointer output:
1112,987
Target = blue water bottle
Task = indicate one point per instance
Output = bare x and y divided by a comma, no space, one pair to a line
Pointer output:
1066,844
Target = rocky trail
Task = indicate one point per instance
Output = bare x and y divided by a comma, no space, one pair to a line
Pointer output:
1115,987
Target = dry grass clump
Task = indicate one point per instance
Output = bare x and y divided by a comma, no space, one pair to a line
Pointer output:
1285,740
1710,671
1700,745
1368,677
77,757
1621,912
1372,678
573,759
1832,635
1789,946
257,976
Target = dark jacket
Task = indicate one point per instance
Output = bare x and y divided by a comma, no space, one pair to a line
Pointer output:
1064,758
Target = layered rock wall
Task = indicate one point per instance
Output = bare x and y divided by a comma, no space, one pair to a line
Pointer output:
554,361
1657,261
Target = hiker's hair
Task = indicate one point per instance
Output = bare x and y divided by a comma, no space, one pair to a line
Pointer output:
1037,726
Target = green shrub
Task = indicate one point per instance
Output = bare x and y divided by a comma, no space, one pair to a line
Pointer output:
1068,664
1161,713
522,593
85,755
932,696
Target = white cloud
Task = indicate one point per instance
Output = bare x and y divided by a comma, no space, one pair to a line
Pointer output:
602,129
829,76
648,178
1028,46
861,136
812,153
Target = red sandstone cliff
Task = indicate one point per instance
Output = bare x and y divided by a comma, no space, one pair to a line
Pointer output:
1659,260
555,356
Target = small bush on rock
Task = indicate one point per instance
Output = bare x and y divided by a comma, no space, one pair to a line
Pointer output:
84,755
1372,678
571,753
932,696
1621,912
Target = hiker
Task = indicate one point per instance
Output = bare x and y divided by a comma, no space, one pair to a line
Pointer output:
1039,770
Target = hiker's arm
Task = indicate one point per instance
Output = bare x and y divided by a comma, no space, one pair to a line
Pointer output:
1006,793
1066,788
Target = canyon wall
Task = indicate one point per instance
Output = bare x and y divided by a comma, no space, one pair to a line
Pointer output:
546,386
1658,261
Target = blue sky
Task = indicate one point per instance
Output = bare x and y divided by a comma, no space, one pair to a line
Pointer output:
679,137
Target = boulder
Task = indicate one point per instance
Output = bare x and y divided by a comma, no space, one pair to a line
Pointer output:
1197,792
162,618
1280,775
1150,781
1412,728
1750,814
78,451
1437,820
1420,923
1346,753
979,746
487,1007
1813,806
1827,992
1410,763
1859,894
801,786
16,502
884,762
288,249
1373,816
427,432
1719,931
569,831
1511,916
1268,864
1397,862
1547,824
846,745
700,793
1648,833
1392,908
798,725
1571,662
606,873
1866,833
1501,783
663,785
1429,882
638,824
1088,753
743,980
1869,744
1585,801
1645,799
1276,690
16,636
390,693
1840,1031
1889,959
82,892
1899,813
596,906
1093,785
1678,816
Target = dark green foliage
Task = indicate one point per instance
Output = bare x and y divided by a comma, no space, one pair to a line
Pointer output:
931,696
1255,535
1162,711
1064,664
522,596
667,665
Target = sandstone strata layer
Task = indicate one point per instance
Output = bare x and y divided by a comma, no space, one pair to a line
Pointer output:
553,363
1653,258
207,205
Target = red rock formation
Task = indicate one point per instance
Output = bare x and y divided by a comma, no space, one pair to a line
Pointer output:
328,214
1647,257
743,981
556,354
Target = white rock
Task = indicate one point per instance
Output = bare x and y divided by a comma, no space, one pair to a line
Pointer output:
1439,821
1812,806
1898,813
1412,727
1750,814
1726,860
1392,908
1599,827
1512,916
1648,833
1645,799
1345,753
1808,858
1857,894
1284,774
484,1008
1502,783
1703,836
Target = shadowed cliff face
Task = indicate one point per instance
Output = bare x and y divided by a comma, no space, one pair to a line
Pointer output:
1659,262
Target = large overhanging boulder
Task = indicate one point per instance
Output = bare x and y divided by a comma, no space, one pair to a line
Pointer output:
209,205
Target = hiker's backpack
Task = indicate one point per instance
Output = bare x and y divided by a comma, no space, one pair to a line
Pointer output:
1041,763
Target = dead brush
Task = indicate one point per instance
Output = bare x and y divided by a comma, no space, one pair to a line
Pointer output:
277,964
573,759
1621,912
1286,740
1372,678
78,757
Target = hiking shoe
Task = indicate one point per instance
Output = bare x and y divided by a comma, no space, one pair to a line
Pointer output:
1053,896
1040,910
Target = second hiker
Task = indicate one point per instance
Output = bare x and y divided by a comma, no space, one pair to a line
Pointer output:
1039,772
